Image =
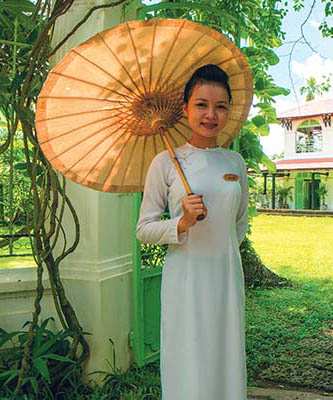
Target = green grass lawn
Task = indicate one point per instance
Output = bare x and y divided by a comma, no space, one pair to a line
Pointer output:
298,248
16,262
289,332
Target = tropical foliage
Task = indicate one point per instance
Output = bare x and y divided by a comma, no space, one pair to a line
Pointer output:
50,370
284,195
326,27
322,192
260,193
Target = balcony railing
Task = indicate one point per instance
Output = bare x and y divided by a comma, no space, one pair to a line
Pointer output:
309,145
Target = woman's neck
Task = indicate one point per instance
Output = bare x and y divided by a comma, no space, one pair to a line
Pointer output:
203,142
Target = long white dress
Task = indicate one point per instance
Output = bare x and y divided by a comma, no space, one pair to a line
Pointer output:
202,317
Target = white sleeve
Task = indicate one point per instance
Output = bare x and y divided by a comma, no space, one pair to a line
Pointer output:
242,214
150,228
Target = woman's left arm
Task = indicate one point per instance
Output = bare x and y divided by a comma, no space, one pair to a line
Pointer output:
242,214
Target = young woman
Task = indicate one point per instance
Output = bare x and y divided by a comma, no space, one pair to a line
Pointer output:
202,323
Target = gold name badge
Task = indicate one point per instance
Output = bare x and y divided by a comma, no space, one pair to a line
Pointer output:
230,177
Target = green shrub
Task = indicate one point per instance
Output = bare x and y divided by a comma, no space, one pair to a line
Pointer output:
50,370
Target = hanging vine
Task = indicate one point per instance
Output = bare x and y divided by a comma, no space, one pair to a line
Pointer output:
25,47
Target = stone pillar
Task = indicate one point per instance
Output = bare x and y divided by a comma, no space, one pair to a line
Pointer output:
98,275
328,139
289,143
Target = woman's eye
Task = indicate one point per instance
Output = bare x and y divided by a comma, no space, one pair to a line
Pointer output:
200,104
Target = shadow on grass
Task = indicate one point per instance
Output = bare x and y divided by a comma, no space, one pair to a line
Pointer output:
289,334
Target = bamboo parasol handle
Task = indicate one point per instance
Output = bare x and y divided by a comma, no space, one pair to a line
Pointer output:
167,143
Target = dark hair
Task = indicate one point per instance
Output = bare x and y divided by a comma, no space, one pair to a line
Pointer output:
209,73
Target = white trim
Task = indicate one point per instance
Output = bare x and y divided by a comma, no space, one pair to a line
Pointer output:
307,156
25,279
96,270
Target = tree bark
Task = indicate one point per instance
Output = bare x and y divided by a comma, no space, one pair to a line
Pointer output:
2,209
256,274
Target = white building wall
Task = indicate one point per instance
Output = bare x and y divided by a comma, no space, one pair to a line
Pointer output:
328,140
289,144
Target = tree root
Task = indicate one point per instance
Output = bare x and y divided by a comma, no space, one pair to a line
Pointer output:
256,274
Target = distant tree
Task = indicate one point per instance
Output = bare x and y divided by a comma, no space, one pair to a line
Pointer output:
312,88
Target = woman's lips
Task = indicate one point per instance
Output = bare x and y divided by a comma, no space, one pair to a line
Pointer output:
208,125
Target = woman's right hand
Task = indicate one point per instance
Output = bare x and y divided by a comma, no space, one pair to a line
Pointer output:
193,206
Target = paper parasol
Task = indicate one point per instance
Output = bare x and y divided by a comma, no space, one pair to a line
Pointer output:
100,109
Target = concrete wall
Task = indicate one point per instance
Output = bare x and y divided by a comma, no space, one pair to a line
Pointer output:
328,140
98,276
289,144
17,295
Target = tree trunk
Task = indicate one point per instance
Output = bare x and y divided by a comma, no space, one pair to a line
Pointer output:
2,209
256,274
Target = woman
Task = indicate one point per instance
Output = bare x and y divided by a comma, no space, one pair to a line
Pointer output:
202,323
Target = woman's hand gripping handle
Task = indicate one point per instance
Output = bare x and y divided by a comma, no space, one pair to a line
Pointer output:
194,211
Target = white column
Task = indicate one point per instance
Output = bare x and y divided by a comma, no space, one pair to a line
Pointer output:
289,143
328,140
98,275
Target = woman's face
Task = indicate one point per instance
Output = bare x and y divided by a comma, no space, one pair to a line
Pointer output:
207,110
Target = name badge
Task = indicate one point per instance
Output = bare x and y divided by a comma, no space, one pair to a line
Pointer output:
230,177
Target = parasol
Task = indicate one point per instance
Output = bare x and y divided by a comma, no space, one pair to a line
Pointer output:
115,101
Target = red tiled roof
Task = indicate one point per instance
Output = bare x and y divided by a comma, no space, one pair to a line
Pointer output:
309,109
305,163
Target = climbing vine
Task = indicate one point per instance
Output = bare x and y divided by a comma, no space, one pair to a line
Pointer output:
25,48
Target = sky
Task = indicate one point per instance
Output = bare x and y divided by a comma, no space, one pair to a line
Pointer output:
303,63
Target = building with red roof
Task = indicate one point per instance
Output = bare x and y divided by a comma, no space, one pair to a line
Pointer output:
307,165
